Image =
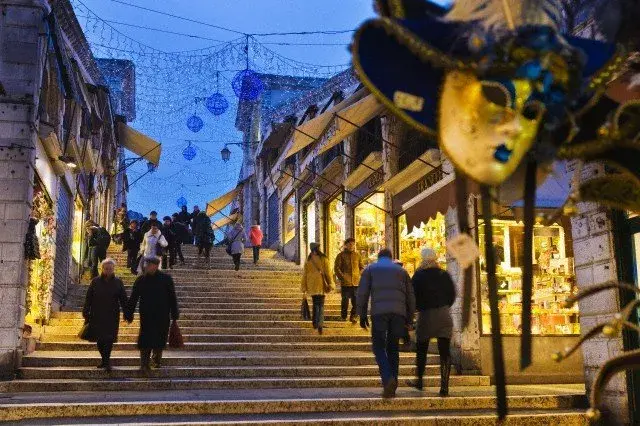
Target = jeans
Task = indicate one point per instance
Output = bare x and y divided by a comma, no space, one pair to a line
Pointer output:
256,254
348,294
317,313
132,257
236,260
179,251
386,330
104,347
93,261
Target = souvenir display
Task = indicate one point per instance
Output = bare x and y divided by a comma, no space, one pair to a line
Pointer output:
502,88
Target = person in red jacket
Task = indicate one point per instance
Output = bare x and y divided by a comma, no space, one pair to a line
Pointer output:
255,236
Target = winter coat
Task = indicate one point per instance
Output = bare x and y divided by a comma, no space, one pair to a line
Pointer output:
100,240
121,221
312,278
149,246
146,225
236,239
255,235
158,306
203,231
169,235
348,267
131,240
433,288
389,287
102,306
180,230
184,217
194,216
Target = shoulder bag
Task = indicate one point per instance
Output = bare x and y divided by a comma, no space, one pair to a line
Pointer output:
326,285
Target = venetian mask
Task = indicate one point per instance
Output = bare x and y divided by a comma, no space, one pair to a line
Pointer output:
486,127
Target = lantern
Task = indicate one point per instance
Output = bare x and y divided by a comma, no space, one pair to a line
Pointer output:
181,202
226,154
247,85
189,153
195,123
217,104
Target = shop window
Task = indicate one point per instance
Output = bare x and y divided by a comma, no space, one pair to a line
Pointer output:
308,225
336,233
289,217
553,279
77,243
369,227
326,158
411,242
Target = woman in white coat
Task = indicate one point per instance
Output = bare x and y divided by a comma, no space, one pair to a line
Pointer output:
153,243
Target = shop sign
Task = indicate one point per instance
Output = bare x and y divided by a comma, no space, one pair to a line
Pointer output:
427,181
370,184
433,177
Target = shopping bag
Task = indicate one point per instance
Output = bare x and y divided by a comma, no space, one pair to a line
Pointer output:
304,310
175,336
86,333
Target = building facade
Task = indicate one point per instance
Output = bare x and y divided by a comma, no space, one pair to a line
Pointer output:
59,163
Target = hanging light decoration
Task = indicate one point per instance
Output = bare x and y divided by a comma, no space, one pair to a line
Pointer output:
195,123
225,153
217,103
247,84
181,202
189,153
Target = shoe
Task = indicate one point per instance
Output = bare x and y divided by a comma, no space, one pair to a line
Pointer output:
445,372
353,320
417,383
145,370
390,389
102,365
320,330
108,368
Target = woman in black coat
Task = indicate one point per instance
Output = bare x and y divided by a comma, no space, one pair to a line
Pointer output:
435,294
105,296
158,306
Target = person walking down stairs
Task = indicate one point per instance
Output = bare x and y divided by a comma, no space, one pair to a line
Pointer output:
435,294
153,244
105,296
392,306
317,282
236,244
348,267
131,241
156,293
255,237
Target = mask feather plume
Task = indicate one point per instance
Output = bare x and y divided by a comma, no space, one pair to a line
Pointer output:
504,14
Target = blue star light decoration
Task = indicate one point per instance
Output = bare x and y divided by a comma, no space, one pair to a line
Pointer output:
247,85
195,123
181,202
189,153
217,104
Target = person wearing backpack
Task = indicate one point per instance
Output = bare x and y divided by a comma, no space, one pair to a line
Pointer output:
236,244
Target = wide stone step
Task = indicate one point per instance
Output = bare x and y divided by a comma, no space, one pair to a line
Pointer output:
257,331
229,338
77,321
203,302
214,359
517,417
92,373
143,384
253,315
221,346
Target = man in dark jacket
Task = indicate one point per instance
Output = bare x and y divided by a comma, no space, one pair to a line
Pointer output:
158,306
194,222
170,253
184,216
392,307
99,242
153,218
105,296
131,241
182,234
347,268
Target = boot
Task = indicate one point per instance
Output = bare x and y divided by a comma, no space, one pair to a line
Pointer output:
145,360
445,371
157,358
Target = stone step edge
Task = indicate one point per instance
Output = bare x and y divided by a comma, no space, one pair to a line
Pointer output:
14,412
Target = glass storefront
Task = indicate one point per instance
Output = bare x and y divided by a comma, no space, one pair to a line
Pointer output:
289,216
369,227
308,224
553,279
336,233
411,242
78,222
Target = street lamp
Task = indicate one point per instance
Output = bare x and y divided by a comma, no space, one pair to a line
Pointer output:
226,154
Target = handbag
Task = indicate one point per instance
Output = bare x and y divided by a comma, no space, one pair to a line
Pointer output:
228,249
176,340
305,312
86,333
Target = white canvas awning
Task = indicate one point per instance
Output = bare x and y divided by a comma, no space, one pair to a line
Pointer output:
218,224
217,204
140,144
311,131
348,120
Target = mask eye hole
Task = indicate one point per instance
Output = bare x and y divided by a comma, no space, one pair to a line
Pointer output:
497,94
533,110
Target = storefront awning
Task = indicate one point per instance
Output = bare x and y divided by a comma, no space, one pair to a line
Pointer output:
276,138
348,120
217,204
437,199
139,143
310,131
364,170
218,224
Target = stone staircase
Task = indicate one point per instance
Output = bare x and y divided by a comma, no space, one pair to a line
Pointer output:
249,359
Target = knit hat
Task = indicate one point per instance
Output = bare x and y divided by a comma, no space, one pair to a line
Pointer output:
428,254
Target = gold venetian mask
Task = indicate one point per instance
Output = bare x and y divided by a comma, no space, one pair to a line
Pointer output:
486,129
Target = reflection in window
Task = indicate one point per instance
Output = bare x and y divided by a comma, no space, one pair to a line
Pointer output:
289,217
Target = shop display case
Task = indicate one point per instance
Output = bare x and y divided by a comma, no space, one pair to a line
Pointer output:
370,228
411,242
553,279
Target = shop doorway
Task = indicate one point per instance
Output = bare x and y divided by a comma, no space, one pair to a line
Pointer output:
336,232
308,225
369,227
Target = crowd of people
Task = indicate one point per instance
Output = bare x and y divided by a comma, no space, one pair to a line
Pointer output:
385,292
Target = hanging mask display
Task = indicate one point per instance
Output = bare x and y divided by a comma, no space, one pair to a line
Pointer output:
506,94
